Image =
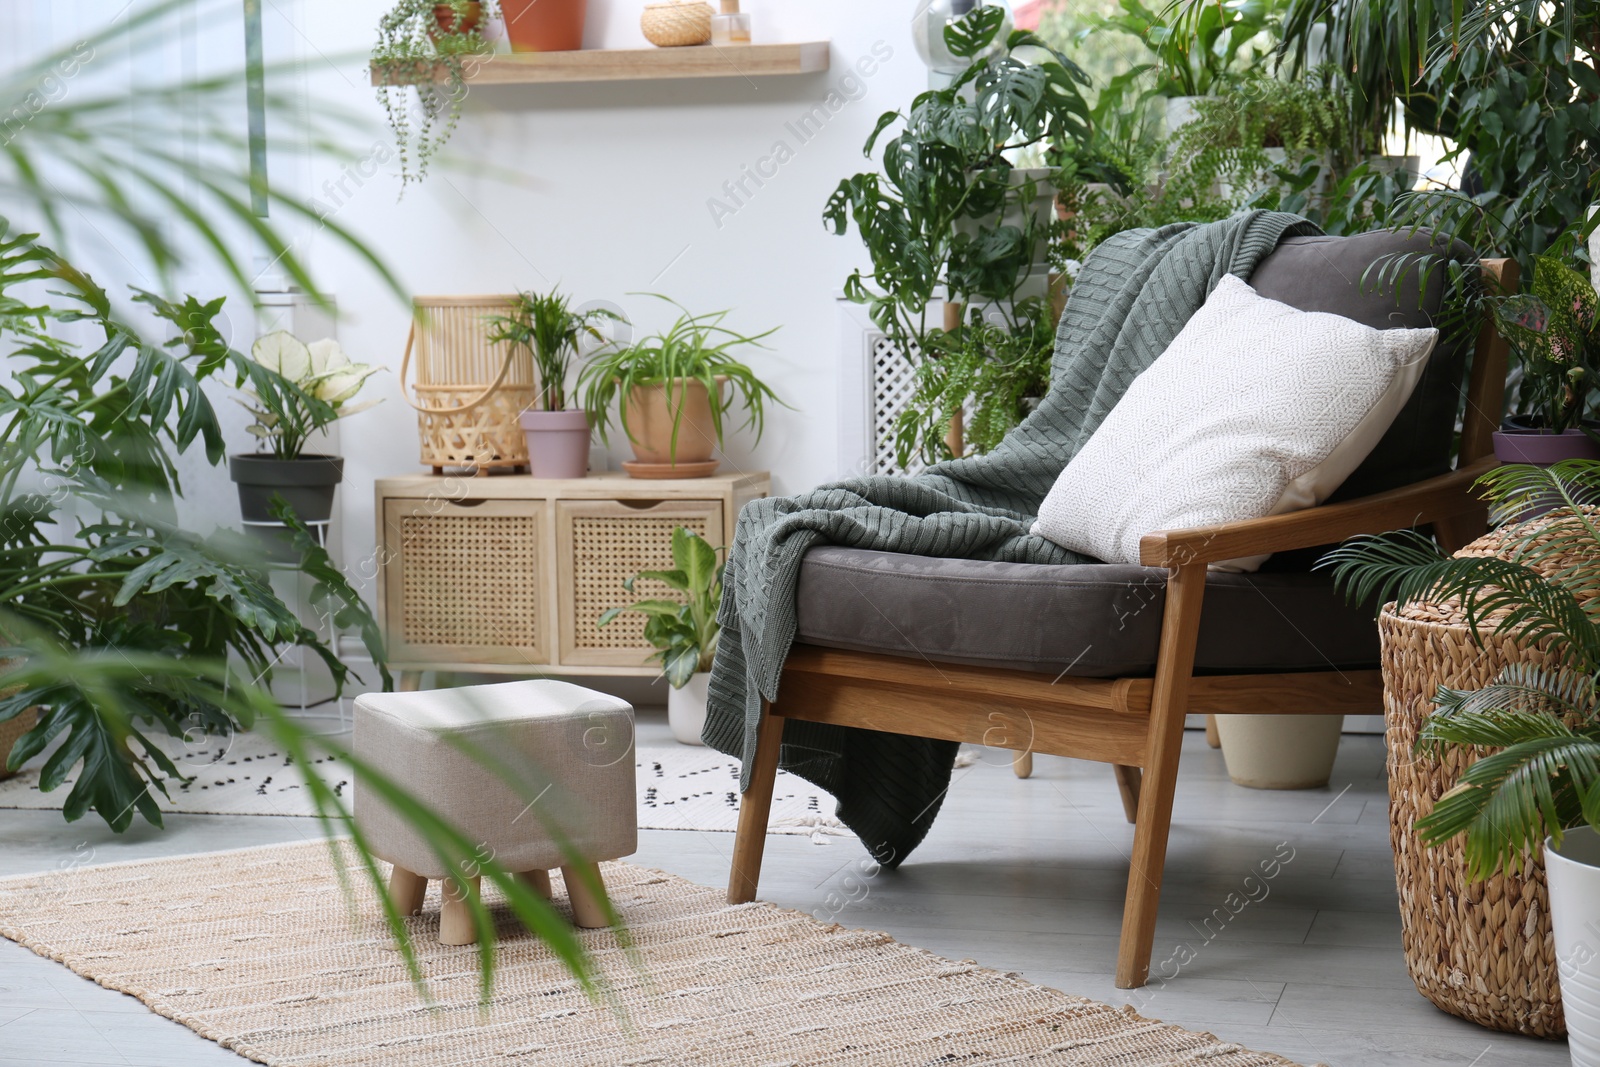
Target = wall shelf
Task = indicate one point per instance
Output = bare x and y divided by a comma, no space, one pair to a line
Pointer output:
632,64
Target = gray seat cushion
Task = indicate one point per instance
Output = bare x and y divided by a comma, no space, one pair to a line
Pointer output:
1094,620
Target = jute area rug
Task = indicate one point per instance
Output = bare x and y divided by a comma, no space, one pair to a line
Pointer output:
681,787
262,953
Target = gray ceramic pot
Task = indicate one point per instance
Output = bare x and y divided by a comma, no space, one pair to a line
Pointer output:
306,484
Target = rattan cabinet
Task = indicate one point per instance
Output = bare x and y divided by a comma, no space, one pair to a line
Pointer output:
509,574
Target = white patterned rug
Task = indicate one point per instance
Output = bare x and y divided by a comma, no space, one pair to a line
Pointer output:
680,787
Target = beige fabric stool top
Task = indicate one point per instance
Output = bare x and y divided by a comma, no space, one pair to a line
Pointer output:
570,752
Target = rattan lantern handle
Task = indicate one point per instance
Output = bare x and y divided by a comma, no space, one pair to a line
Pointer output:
405,367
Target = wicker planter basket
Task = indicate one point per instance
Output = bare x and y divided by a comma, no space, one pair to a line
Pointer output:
678,24
10,731
1481,951
469,393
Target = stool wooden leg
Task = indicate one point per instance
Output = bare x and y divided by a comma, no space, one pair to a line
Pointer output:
586,909
1022,765
538,881
407,890
455,919
1213,738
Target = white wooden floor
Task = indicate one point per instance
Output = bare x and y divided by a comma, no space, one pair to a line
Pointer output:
1019,875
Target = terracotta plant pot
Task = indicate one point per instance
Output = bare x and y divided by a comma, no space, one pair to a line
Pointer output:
649,423
445,16
544,25
558,443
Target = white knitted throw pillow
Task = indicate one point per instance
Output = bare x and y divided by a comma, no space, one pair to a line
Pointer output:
1255,409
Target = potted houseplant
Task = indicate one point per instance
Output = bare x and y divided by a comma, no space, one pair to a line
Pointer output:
672,394
426,45
1530,738
684,633
1554,331
547,327
294,390
545,25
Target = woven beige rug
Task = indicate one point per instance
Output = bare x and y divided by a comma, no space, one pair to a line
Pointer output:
259,951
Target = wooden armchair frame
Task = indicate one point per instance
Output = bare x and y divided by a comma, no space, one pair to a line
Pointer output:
1134,724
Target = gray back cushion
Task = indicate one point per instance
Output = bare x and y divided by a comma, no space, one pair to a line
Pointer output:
1325,274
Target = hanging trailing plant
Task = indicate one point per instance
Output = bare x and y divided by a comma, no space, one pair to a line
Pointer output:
429,47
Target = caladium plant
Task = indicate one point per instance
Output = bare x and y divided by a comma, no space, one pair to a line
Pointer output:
315,384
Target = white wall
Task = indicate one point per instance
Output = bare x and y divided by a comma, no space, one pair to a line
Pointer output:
608,195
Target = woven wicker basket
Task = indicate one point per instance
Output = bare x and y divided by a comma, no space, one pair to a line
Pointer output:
1483,950
469,392
10,731
677,24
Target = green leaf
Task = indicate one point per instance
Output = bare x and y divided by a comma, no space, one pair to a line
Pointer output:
973,32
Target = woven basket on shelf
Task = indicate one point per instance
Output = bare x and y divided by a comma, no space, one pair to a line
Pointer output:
469,392
677,24
1482,950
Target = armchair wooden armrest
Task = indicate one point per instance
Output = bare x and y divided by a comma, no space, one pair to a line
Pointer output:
1437,499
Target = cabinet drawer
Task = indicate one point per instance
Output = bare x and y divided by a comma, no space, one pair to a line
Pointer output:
600,543
465,581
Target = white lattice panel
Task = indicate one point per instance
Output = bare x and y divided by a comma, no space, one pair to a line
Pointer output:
893,382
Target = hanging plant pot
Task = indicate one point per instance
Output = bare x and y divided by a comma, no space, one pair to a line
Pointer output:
558,443
544,25
649,423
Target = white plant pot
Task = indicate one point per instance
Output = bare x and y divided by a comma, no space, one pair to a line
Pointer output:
1280,751
1412,165
1180,112
1594,250
1573,874
686,709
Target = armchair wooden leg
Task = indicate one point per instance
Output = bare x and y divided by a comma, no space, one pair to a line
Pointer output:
1129,779
1213,738
1180,627
751,840
1022,765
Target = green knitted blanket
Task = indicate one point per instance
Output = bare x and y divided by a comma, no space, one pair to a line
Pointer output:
1131,298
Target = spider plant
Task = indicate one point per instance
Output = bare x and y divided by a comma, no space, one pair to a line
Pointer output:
696,348
1537,727
546,325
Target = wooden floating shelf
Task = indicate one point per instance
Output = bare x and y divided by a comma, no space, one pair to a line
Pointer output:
633,64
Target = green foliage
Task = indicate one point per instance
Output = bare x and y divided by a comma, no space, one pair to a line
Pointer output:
935,218
1514,87
695,348
546,325
987,371
1554,331
116,574
1199,45
1544,721
412,52
683,634
295,390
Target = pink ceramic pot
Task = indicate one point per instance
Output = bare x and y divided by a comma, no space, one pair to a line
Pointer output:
558,443
1543,449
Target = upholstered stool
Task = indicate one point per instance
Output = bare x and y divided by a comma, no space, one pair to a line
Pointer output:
570,751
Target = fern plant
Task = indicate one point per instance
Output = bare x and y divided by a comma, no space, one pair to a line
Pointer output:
987,371
1544,722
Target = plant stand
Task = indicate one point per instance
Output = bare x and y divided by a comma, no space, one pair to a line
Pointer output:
509,575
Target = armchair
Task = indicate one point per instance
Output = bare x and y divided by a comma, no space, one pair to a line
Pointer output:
1102,662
